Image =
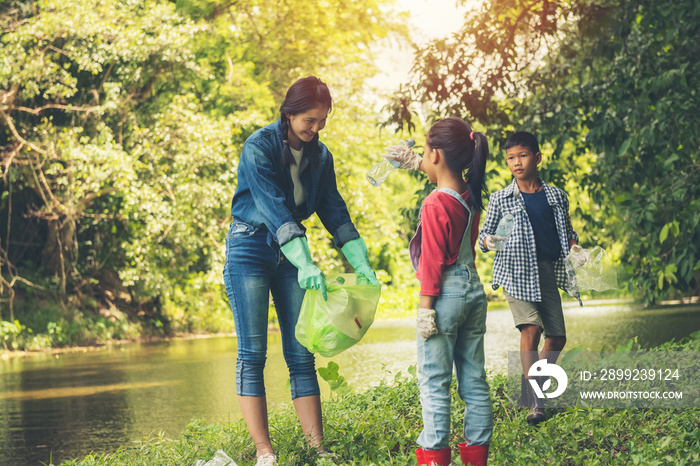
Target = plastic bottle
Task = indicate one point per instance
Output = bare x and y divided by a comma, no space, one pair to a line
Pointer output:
381,171
220,459
505,226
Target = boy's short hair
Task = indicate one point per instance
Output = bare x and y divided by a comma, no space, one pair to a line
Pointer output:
525,139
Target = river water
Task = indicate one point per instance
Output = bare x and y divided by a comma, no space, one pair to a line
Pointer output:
59,407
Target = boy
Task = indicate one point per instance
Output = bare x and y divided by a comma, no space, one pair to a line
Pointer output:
532,264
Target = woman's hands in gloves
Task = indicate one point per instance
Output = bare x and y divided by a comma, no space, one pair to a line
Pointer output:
310,277
403,154
355,252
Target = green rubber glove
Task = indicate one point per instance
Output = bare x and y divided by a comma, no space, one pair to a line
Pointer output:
310,277
356,253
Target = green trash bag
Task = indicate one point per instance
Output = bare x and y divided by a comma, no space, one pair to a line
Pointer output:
330,327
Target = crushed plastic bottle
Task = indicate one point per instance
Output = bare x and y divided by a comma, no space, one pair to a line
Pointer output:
505,227
381,171
220,459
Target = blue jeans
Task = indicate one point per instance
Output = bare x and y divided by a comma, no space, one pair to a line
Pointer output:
253,270
461,321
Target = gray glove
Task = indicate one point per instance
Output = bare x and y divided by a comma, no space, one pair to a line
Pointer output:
426,323
579,256
495,242
403,154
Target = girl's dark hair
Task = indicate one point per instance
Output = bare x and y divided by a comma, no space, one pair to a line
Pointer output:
463,150
525,139
305,94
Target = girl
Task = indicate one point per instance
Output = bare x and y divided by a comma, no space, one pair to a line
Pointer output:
452,311
285,174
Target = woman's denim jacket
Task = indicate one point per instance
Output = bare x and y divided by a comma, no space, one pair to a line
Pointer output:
264,196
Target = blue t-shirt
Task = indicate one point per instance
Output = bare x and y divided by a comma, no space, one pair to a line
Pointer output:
544,227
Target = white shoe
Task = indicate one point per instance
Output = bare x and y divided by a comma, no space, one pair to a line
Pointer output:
268,459
325,458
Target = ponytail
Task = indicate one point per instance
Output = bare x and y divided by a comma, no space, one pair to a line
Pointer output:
463,149
476,171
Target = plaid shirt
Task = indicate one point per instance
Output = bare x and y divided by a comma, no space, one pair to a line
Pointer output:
515,268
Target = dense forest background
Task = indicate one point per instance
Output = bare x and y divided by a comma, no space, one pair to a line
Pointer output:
121,123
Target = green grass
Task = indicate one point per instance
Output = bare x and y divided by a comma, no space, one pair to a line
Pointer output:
379,427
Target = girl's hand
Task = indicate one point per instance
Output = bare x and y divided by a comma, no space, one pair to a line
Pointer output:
403,154
426,323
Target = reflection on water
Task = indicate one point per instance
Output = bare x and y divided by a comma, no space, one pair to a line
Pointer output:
64,407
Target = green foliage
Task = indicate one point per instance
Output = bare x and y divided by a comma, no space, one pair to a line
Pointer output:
198,307
352,137
274,43
120,128
610,89
398,301
628,97
77,79
59,327
336,382
9,332
196,442
380,427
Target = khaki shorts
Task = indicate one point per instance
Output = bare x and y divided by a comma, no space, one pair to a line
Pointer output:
548,314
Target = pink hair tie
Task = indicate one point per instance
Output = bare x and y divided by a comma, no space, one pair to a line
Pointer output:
471,135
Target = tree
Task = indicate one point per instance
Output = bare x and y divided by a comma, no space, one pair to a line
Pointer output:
120,129
611,86
72,76
275,43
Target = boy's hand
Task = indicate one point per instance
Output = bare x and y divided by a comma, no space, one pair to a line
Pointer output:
403,154
495,242
426,323
579,256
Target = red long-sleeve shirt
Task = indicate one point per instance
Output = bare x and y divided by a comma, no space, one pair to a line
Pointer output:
443,220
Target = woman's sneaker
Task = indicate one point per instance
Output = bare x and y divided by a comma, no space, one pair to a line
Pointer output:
268,459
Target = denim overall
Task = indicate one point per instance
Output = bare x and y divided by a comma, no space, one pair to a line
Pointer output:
461,321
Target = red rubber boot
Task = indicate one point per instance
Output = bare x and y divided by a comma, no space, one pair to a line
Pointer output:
420,456
474,455
434,457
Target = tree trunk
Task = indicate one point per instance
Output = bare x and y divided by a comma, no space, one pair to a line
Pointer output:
61,249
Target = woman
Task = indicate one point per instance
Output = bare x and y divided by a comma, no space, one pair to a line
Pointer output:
285,174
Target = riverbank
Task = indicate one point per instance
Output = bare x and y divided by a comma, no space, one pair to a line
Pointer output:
8,354
385,433
24,341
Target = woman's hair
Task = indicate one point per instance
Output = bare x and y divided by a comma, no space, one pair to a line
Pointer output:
525,139
305,94
463,150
